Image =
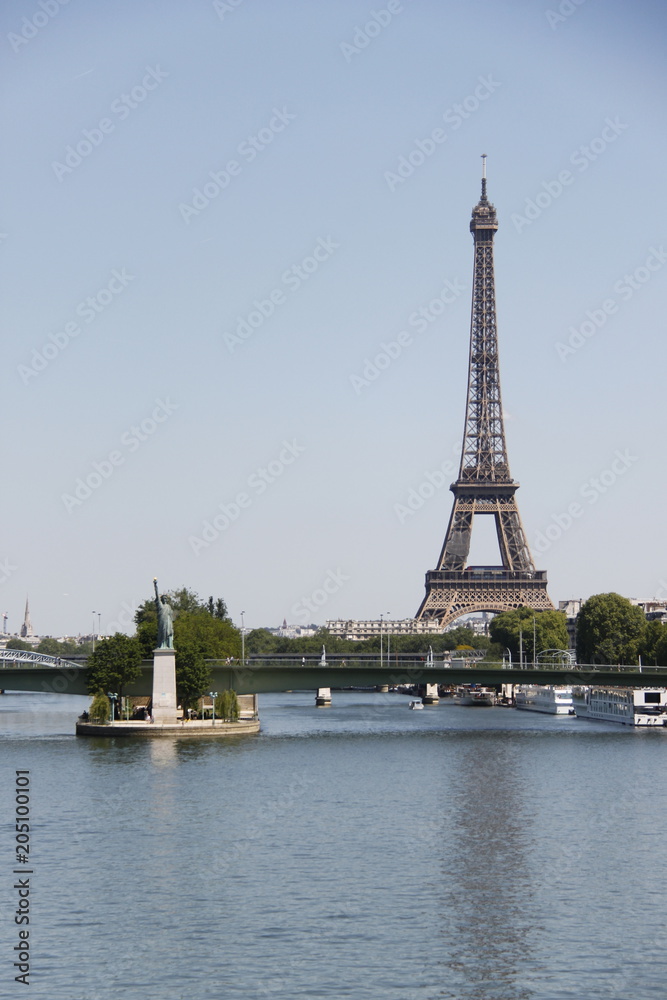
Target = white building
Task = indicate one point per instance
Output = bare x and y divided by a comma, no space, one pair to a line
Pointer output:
353,629
286,631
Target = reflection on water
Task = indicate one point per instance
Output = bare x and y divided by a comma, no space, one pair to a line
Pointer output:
486,901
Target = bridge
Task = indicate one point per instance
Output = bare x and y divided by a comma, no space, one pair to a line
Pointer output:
21,670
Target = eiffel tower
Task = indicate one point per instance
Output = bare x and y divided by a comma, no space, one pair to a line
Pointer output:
484,484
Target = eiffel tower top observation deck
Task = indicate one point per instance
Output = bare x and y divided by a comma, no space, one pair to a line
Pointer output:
484,484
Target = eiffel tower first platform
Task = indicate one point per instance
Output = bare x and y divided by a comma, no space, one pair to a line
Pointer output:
484,484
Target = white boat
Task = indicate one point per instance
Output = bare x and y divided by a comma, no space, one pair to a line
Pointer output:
553,699
469,694
415,705
629,706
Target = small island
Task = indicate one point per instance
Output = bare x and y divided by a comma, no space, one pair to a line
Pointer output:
179,633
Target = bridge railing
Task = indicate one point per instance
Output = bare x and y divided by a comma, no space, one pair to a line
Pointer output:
29,657
404,662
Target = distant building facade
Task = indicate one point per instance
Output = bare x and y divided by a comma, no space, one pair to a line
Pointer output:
358,630
286,631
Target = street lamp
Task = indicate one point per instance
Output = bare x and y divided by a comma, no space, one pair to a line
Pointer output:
534,642
242,639
388,643
381,615
214,695
521,649
112,695
510,653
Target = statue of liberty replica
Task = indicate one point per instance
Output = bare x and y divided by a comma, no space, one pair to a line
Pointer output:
165,709
165,620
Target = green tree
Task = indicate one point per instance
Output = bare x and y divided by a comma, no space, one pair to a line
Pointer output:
193,677
661,649
100,708
648,647
609,630
216,638
183,601
217,608
495,654
199,637
550,631
52,647
260,640
460,636
227,706
115,663
18,644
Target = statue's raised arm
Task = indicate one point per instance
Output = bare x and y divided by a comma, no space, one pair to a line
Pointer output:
165,620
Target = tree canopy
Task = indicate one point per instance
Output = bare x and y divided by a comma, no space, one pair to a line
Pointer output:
185,603
653,646
261,642
661,648
115,663
610,629
54,647
18,644
550,631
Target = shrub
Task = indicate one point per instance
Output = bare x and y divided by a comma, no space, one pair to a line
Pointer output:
227,706
100,708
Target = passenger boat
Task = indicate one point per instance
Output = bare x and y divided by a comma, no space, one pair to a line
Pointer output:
472,694
554,699
415,705
629,706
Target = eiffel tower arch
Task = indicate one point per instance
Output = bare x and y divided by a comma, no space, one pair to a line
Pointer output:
484,484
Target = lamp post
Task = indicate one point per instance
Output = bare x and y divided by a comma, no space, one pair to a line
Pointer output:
534,642
388,643
381,616
214,695
242,639
521,649
112,695
510,652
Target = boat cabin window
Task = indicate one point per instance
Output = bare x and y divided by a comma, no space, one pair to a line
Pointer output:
651,697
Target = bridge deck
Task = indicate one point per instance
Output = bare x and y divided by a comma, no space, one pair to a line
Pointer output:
266,676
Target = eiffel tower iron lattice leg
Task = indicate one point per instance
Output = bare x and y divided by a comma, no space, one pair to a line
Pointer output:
484,484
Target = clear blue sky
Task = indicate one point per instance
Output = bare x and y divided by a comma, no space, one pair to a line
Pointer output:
303,111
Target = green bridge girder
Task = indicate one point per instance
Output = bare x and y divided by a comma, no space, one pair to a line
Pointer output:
264,677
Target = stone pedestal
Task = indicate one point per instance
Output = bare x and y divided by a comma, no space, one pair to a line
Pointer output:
165,709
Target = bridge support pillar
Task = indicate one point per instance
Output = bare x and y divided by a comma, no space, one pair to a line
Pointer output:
165,708
323,697
430,696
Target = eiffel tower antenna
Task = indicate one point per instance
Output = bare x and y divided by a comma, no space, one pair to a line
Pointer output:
484,484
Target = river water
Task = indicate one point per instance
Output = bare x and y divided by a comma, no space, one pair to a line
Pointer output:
359,851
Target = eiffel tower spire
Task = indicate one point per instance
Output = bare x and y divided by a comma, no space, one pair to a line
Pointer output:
484,484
